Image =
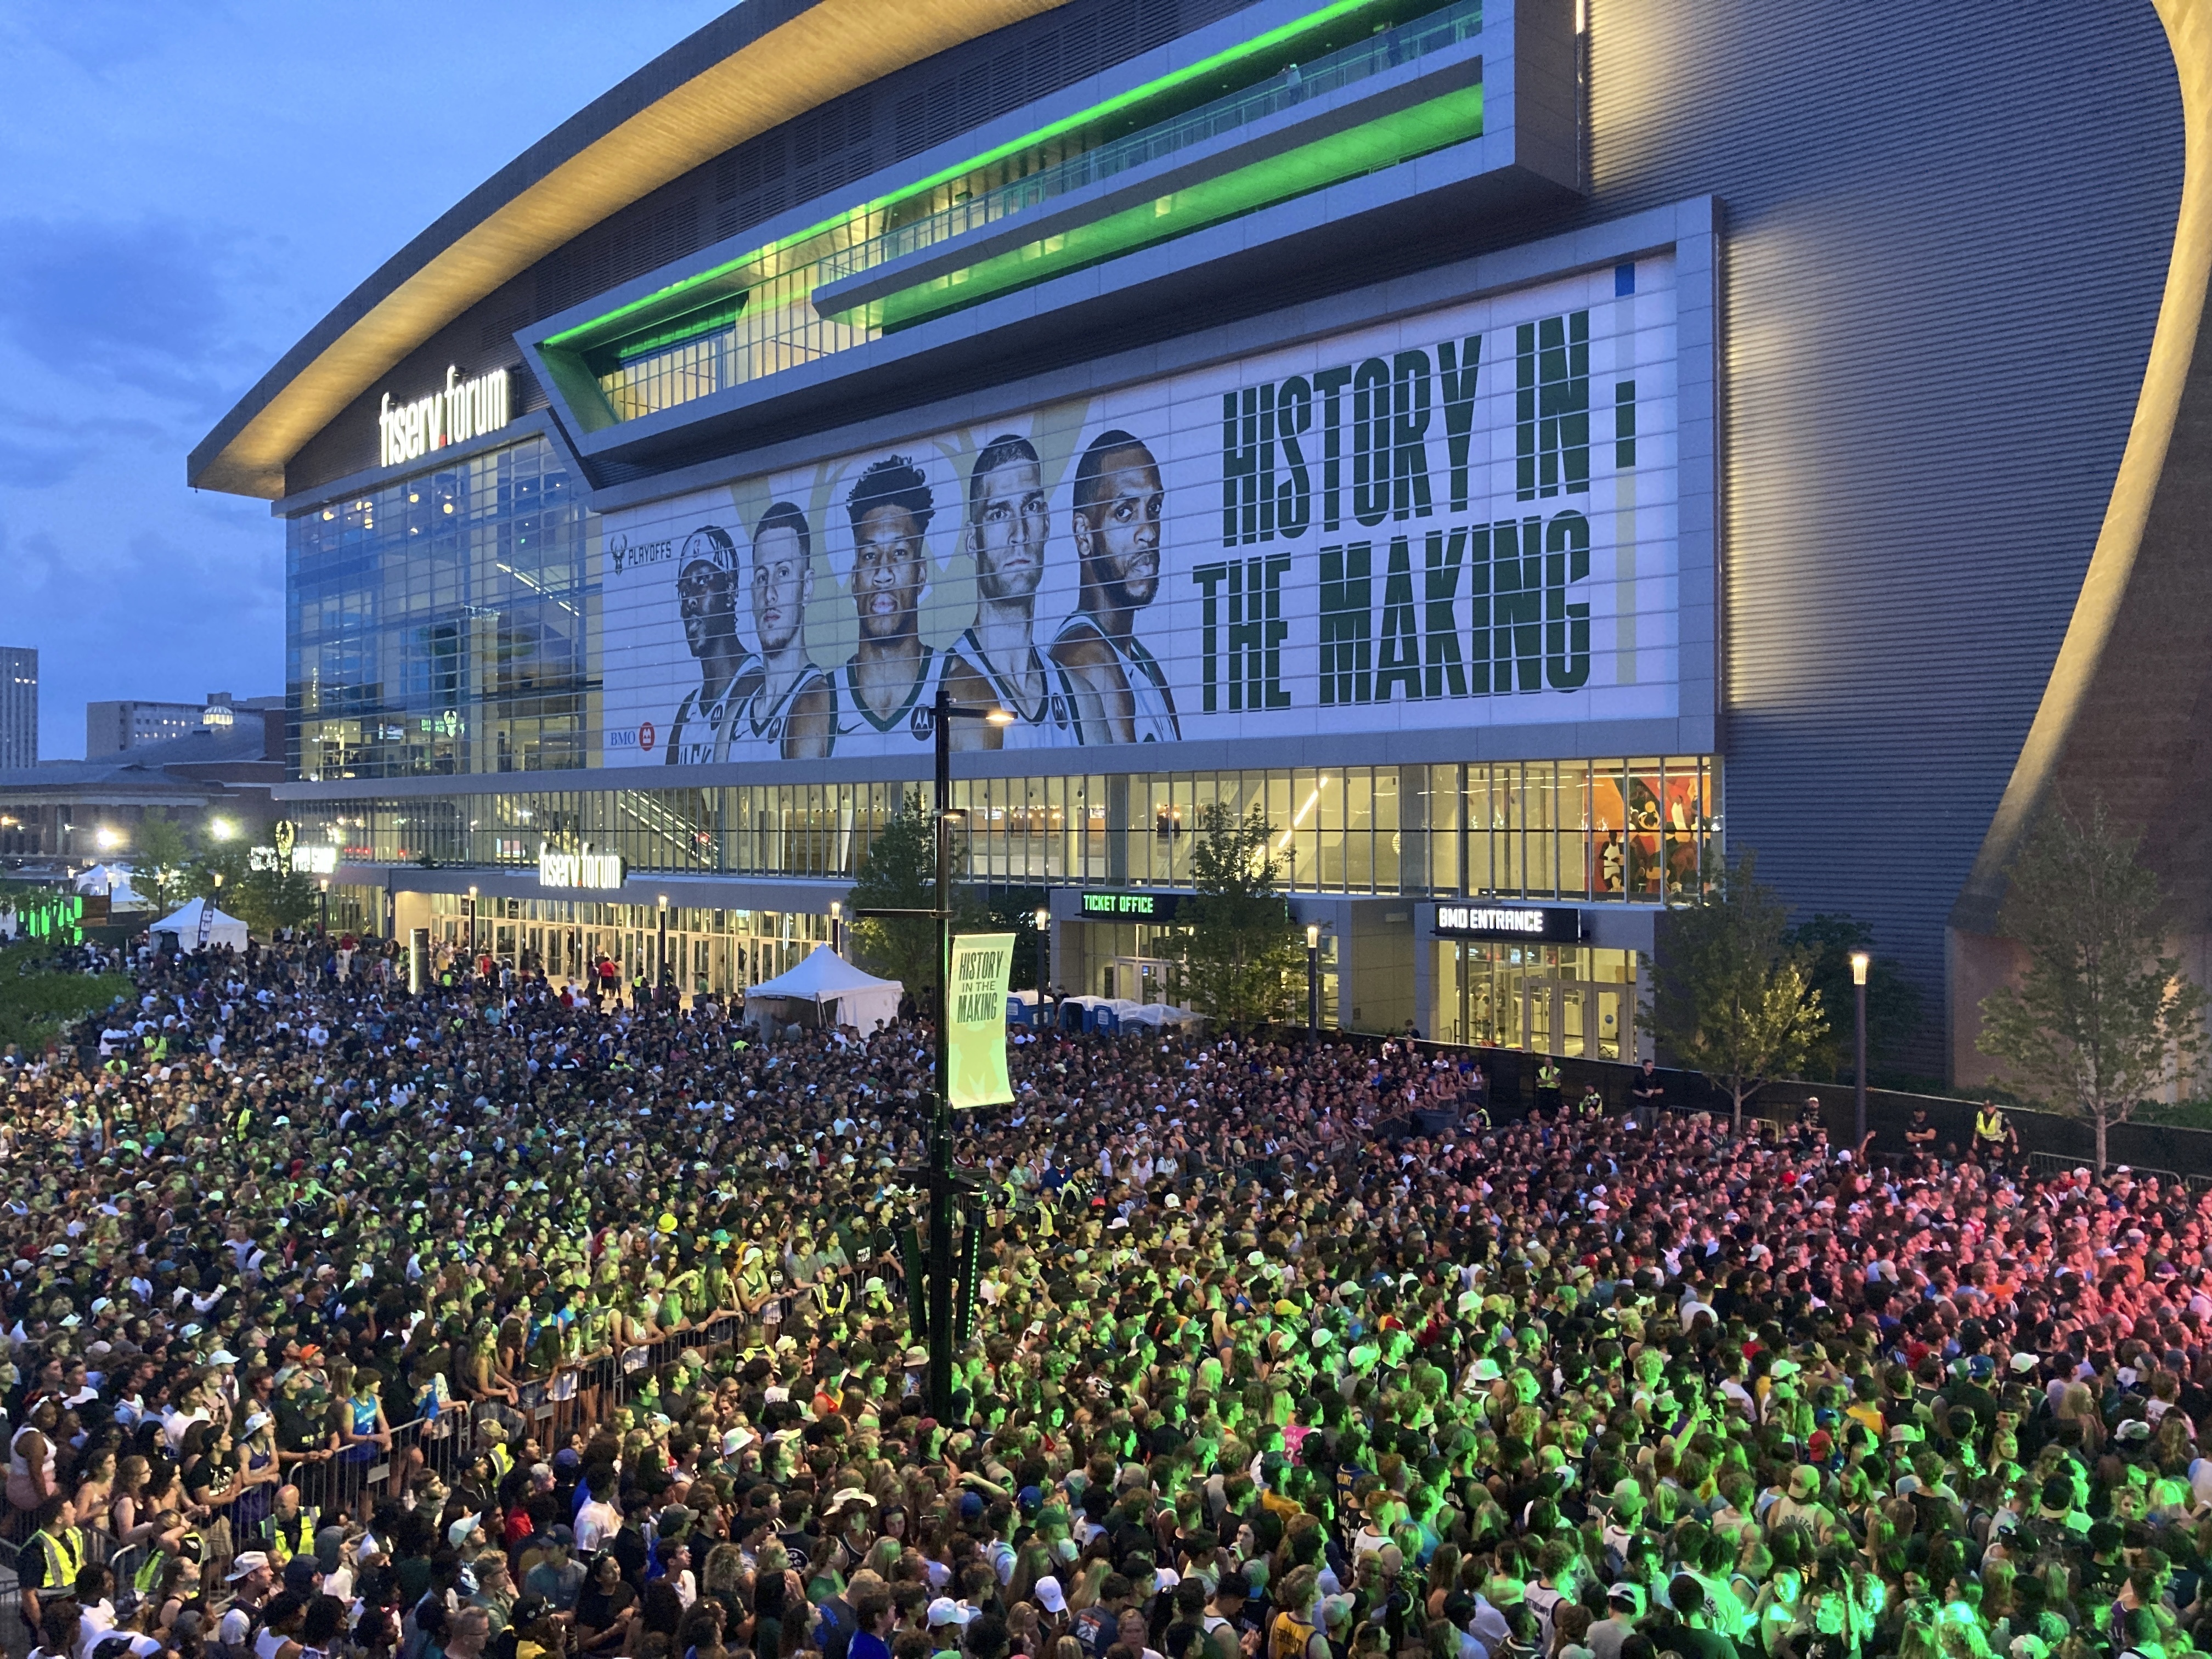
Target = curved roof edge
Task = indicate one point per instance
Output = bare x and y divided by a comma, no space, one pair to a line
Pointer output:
2128,583
757,65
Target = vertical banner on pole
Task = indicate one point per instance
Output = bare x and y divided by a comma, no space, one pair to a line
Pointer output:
982,963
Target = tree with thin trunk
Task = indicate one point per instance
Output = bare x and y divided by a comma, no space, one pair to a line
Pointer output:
2103,1018
1730,995
1238,948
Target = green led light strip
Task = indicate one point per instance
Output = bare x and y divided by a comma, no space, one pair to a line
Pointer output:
582,333
1381,143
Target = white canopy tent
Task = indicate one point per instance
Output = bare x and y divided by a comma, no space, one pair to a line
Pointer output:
222,929
838,993
114,880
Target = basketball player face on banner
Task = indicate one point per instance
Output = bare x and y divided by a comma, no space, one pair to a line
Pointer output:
791,704
996,662
707,603
1118,501
890,507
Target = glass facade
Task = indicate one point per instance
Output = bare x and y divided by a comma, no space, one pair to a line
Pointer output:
442,624
1578,1002
1629,831
755,316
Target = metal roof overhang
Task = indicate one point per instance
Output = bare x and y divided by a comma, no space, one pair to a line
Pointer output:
756,66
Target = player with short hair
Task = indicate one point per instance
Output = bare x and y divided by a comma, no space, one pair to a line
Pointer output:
1117,691
707,599
996,661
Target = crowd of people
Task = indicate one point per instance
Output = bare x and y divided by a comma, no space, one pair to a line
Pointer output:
341,1321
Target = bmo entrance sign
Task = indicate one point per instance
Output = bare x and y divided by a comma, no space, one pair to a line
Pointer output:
1533,924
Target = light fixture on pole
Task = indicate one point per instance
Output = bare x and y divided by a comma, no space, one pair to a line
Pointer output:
1313,977
944,1185
1043,920
472,924
837,927
1860,963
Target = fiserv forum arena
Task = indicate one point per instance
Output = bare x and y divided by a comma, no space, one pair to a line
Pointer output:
1525,446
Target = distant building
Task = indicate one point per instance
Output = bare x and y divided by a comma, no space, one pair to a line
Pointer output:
110,728
76,811
18,707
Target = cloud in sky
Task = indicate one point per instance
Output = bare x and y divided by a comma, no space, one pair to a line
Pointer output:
188,189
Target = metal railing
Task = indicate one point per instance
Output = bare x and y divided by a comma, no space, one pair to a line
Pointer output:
779,327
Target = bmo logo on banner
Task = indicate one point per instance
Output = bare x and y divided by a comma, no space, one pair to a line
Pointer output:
1552,923
639,738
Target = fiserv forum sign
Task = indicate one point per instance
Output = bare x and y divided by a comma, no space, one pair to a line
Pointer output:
1464,518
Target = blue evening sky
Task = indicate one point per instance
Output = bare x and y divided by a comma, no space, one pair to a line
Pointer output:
185,189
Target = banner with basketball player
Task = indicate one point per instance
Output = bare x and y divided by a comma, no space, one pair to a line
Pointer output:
1464,518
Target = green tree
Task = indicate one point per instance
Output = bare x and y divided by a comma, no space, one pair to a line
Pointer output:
162,863
2103,1016
36,1002
1013,910
267,899
1892,1001
898,871
1236,950
1729,994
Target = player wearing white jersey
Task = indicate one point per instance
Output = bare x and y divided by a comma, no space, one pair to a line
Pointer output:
707,599
996,661
784,701
885,678
1117,691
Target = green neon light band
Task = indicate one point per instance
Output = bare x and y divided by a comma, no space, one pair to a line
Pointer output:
1391,138
587,333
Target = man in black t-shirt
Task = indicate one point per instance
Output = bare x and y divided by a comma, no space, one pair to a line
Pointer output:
1694,1639
1648,1094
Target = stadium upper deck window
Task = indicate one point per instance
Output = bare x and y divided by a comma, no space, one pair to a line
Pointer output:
960,236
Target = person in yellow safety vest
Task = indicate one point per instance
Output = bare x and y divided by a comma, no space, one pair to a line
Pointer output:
491,1430
1993,1136
289,1528
1547,1085
1593,1103
49,1564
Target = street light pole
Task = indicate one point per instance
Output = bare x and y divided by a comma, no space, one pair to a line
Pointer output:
326,907
472,929
1860,962
1043,920
660,974
1313,979
943,1186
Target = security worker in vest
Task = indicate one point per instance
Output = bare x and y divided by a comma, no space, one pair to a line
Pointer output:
1547,1086
1592,1103
289,1528
1993,1137
51,1559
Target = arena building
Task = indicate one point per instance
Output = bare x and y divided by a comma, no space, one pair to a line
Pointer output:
1525,445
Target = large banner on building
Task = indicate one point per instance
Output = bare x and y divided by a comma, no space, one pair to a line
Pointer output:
1462,519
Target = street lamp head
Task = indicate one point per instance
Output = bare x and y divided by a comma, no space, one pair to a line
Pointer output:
109,837
326,884
472,892
1860,962
837,909
221,829
1044,918
999,716
1313,936
664,901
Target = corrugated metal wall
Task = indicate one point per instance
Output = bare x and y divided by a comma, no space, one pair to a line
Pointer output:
1947,232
